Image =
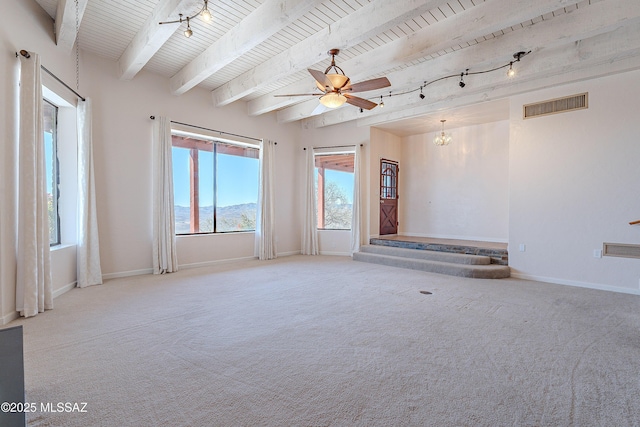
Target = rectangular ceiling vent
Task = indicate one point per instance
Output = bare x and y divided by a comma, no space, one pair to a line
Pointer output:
621,250
558,105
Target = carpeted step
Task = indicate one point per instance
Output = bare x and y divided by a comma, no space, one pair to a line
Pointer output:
427,255
491,271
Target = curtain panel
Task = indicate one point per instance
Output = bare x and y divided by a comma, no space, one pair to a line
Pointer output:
89,271
165,259
357,220
265,221
310,222
34,288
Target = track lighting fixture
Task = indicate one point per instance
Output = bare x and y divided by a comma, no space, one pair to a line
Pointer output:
205,15
188,33
510,72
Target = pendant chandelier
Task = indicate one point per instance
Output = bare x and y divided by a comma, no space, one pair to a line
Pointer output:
442,139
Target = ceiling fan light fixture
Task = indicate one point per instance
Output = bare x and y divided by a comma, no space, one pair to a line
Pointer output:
333,100
338,80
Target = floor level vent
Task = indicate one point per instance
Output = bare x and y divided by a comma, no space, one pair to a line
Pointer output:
558,105
621,250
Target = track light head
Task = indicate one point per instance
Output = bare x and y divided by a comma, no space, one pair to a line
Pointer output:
422,96
206,14
188,33
462,83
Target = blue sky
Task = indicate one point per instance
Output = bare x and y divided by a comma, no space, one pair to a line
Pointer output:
344,181
48,148
237,179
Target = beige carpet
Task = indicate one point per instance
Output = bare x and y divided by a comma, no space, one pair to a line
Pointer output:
326,341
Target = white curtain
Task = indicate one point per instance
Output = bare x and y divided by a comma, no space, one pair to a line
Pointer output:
310,223
165,259
356,219
34,289
265,219
88,255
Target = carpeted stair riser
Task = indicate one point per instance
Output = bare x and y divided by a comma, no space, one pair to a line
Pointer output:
427,255
414,259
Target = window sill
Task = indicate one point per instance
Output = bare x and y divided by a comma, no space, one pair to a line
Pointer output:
229,233
62,246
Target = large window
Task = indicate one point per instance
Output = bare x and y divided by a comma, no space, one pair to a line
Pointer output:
334,190
215,184
50,113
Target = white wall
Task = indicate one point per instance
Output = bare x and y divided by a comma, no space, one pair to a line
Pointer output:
23,25
122,155
574,185
459,191
122,144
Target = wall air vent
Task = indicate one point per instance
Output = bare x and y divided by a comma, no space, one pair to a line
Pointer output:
558,105
621,250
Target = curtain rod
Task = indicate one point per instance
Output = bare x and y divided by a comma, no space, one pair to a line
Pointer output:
212,130
335,146
28,55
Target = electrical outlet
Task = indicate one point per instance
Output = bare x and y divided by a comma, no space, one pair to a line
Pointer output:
522,247
597,253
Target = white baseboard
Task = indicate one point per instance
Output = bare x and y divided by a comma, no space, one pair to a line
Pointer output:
64,289
290,253
213,263
453,237
335,253
127,273
185,266
575,283
9,317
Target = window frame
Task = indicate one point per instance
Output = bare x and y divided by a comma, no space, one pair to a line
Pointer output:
55,172
318,176
206,141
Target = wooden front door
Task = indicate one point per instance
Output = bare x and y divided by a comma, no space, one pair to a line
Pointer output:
388,197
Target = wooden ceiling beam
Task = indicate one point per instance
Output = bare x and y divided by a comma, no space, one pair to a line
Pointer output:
476,22
265,21
153,35
601,55
367,22
65,24
542,37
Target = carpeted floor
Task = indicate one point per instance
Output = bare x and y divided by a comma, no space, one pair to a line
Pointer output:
326,341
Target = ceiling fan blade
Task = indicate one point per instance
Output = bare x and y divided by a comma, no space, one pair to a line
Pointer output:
321,78
300,94
368,85
360,102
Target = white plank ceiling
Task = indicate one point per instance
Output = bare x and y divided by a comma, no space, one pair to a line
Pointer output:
255,49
